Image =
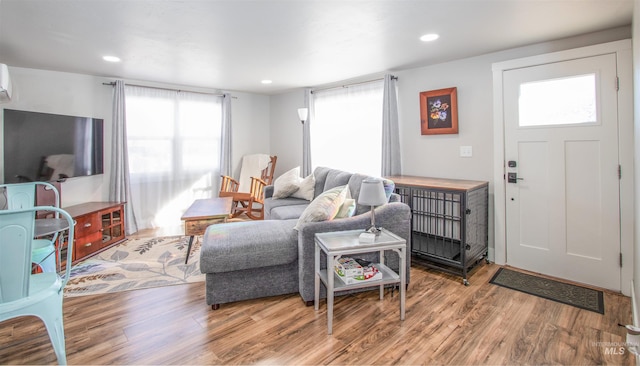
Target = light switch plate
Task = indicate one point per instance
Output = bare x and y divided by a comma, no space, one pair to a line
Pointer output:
466,151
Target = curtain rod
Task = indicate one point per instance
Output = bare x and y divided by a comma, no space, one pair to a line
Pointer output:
352,84
178,90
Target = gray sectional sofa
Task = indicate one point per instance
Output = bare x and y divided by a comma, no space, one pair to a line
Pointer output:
253,259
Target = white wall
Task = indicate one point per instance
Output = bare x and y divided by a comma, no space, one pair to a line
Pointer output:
250,127
438,155
84,95
286,130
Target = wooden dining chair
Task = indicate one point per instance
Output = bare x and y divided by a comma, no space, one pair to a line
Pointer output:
249,203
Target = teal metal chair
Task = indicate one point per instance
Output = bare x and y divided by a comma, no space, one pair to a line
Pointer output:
23,293
23,195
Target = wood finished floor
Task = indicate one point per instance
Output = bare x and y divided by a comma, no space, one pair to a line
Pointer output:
446,323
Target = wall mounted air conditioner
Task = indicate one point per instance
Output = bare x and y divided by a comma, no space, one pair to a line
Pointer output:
5,84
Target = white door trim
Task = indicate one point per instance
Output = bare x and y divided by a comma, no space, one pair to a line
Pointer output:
623,52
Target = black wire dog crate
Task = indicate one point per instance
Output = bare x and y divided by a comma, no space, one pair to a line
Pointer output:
450,221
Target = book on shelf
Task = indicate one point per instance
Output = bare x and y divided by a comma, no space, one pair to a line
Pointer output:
351,271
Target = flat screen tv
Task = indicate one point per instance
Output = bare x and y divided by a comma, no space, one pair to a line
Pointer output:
51,147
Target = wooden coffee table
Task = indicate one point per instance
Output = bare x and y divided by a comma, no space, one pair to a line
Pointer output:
201,214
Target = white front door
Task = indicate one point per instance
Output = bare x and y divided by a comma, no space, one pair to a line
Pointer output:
561,151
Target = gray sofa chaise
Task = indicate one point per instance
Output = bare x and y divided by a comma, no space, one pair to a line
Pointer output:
253,259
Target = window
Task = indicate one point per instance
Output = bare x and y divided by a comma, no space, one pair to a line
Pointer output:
563,101
170,134
174,151
150,133
346,132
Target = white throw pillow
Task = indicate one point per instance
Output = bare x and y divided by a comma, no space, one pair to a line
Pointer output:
287,183
347,209
324,207
306,188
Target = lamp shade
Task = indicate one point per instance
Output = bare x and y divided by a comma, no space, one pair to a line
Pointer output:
372,193
303,113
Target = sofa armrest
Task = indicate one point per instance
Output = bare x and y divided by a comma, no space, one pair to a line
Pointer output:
268,191
395,217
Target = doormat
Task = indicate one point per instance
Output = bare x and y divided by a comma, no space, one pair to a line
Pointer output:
581,297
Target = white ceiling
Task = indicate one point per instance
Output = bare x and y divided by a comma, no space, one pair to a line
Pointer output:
233,45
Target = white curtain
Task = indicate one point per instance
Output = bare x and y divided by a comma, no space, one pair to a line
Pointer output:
225,146
347,128
174,149
391,157
119,187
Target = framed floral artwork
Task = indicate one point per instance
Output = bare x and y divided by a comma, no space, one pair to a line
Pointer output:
439,112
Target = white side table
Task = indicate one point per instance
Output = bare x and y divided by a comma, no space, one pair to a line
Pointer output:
339,243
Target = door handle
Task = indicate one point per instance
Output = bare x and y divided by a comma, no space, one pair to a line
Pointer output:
513,178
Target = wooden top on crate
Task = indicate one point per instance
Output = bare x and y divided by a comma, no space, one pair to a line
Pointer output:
436,183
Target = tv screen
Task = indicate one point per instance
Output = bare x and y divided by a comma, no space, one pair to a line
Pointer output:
49,147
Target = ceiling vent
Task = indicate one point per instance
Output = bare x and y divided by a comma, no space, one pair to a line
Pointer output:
5,84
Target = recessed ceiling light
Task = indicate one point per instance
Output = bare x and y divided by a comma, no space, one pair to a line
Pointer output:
266,81
429,37
111,58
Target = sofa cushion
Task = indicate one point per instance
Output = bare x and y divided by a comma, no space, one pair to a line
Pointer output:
287,183
324,207
325,178
336,178
237,246
322,174
271,204
288,212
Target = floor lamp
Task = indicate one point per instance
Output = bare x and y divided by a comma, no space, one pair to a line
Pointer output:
303,113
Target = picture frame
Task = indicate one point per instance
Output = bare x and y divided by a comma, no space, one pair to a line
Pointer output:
439,112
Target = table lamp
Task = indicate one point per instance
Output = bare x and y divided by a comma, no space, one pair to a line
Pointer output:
372,194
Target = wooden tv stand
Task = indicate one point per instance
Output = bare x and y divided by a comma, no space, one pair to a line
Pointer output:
99,225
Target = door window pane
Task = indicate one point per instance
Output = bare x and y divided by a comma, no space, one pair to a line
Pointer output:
562,101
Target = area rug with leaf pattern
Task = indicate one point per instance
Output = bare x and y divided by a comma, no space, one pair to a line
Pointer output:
137,264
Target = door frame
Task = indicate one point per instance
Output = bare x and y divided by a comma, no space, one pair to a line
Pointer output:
623,52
